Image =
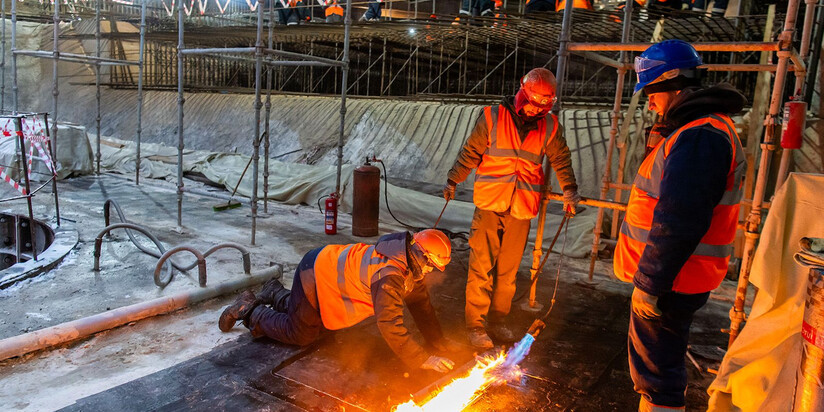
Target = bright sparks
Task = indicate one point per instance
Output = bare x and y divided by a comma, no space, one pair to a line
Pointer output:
463,391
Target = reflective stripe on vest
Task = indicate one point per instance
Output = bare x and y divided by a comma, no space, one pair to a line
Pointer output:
343,278
706,267
510,176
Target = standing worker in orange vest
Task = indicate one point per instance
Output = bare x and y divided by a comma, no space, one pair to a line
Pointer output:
338,286
681,219
507,147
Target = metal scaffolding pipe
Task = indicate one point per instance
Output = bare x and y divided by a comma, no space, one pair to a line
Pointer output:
806,35
55,89
347,23
308,57
77,58
97,83
752,225
606,181
3,58
82,328
229,50
258,105
707,46
563,56
268,113
14,88
180,101
54,176
18,123
140,74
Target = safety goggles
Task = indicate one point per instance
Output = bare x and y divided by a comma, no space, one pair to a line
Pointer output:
540,100
435,261
643,64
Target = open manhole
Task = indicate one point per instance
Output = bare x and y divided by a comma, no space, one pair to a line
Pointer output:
16,251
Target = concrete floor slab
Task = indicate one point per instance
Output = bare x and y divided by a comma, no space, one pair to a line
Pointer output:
182,362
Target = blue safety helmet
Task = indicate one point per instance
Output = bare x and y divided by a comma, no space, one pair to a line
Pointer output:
658,61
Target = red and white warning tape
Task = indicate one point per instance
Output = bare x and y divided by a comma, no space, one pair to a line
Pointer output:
11,181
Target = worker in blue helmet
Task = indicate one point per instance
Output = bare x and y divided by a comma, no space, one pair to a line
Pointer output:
676,239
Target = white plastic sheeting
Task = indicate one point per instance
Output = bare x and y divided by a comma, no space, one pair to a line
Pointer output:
758,372
294,183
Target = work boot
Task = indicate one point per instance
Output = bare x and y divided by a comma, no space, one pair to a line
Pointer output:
479,339
501,332
239,310
270,291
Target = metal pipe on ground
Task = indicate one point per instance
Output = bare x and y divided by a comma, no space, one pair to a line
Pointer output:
81,328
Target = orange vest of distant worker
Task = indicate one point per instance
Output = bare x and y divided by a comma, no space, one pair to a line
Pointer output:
576,4
343,279
333,8
706,267
510,176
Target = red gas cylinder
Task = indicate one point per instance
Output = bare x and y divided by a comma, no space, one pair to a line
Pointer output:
366,195
795,121
330,220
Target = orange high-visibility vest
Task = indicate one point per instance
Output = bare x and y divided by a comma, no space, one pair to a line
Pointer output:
334,9
576,4
706,267
510,176
343,279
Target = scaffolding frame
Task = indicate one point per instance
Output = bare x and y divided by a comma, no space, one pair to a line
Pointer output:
786,55
270,57
95,61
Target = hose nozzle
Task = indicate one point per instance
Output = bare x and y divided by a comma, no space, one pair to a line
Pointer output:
536,328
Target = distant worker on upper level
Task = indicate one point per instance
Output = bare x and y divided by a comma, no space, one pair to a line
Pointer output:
292,12
719,7
533,6
373,13
477,8
332,11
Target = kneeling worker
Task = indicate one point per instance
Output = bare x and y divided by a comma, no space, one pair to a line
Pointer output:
338,286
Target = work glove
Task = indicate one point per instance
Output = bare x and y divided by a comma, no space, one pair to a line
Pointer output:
448,345
449,191
645,305
571,199
438,364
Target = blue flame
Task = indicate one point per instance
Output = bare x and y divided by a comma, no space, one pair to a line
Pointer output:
518,352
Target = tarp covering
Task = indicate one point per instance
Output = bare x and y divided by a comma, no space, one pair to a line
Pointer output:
294,183
758,372
74,154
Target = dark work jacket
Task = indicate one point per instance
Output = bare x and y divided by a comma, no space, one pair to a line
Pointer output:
694,180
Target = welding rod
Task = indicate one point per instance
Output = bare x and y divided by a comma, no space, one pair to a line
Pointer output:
440,215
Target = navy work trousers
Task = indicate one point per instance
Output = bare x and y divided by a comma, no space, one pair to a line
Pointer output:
657,348
299,323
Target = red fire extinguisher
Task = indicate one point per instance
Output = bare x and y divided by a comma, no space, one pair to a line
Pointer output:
795,121
331,214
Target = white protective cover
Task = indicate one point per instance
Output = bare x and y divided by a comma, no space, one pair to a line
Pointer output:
758,372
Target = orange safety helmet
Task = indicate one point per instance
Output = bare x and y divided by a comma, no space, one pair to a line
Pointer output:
435,246
539,86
